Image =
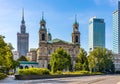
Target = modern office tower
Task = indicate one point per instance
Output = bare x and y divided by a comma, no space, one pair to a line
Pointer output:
116,30
22,39
116,33
96,33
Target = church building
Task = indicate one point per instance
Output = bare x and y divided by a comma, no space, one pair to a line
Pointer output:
47,45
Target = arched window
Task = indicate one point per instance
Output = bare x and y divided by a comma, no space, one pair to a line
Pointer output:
76,38
21,67
32,66
26,67
43,37
43,26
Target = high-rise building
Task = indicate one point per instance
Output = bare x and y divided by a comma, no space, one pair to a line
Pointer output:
22,39
116,48
116,30
96,33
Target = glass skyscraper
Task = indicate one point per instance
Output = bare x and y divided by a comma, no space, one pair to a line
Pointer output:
116,30
96,33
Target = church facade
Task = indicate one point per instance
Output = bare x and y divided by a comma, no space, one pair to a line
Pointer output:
47,45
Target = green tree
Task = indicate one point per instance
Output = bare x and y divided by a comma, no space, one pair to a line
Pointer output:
10,46
60,60
2,51
81,62
6,56
100,59
22,58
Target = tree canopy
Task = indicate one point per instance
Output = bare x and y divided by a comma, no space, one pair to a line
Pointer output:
81,62
60,60
6,56
22,58
100,59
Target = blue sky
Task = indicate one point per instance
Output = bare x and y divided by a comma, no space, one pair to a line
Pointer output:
59,15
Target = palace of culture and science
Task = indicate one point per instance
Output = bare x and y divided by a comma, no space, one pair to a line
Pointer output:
22,39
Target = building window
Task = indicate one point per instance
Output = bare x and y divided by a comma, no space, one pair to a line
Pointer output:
26,67
42,65
49,52
43,37
32,66
21,67
76,38
42,26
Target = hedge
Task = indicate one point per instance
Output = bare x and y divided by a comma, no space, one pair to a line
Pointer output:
2,76
34,71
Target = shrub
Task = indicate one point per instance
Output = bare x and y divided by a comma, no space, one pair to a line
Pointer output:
78,72
97,73
2,76
11,73
58,72
33,71
117,72
68,72
81,72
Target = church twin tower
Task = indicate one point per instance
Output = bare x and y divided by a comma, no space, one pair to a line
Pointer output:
47,45
44,36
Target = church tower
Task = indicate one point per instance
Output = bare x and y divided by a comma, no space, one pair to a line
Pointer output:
22,38
42,54
42,31
76,33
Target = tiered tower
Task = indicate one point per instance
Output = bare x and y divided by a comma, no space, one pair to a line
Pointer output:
22,38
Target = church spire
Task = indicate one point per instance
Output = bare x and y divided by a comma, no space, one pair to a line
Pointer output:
42,15
23,21
75,23
42,22
75,18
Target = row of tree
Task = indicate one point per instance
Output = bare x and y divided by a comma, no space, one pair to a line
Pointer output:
98,60
6,56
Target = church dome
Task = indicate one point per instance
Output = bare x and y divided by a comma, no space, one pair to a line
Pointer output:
49,34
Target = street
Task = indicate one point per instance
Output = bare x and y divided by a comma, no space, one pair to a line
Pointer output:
98,79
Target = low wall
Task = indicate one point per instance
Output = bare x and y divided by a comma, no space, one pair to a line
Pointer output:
29,77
